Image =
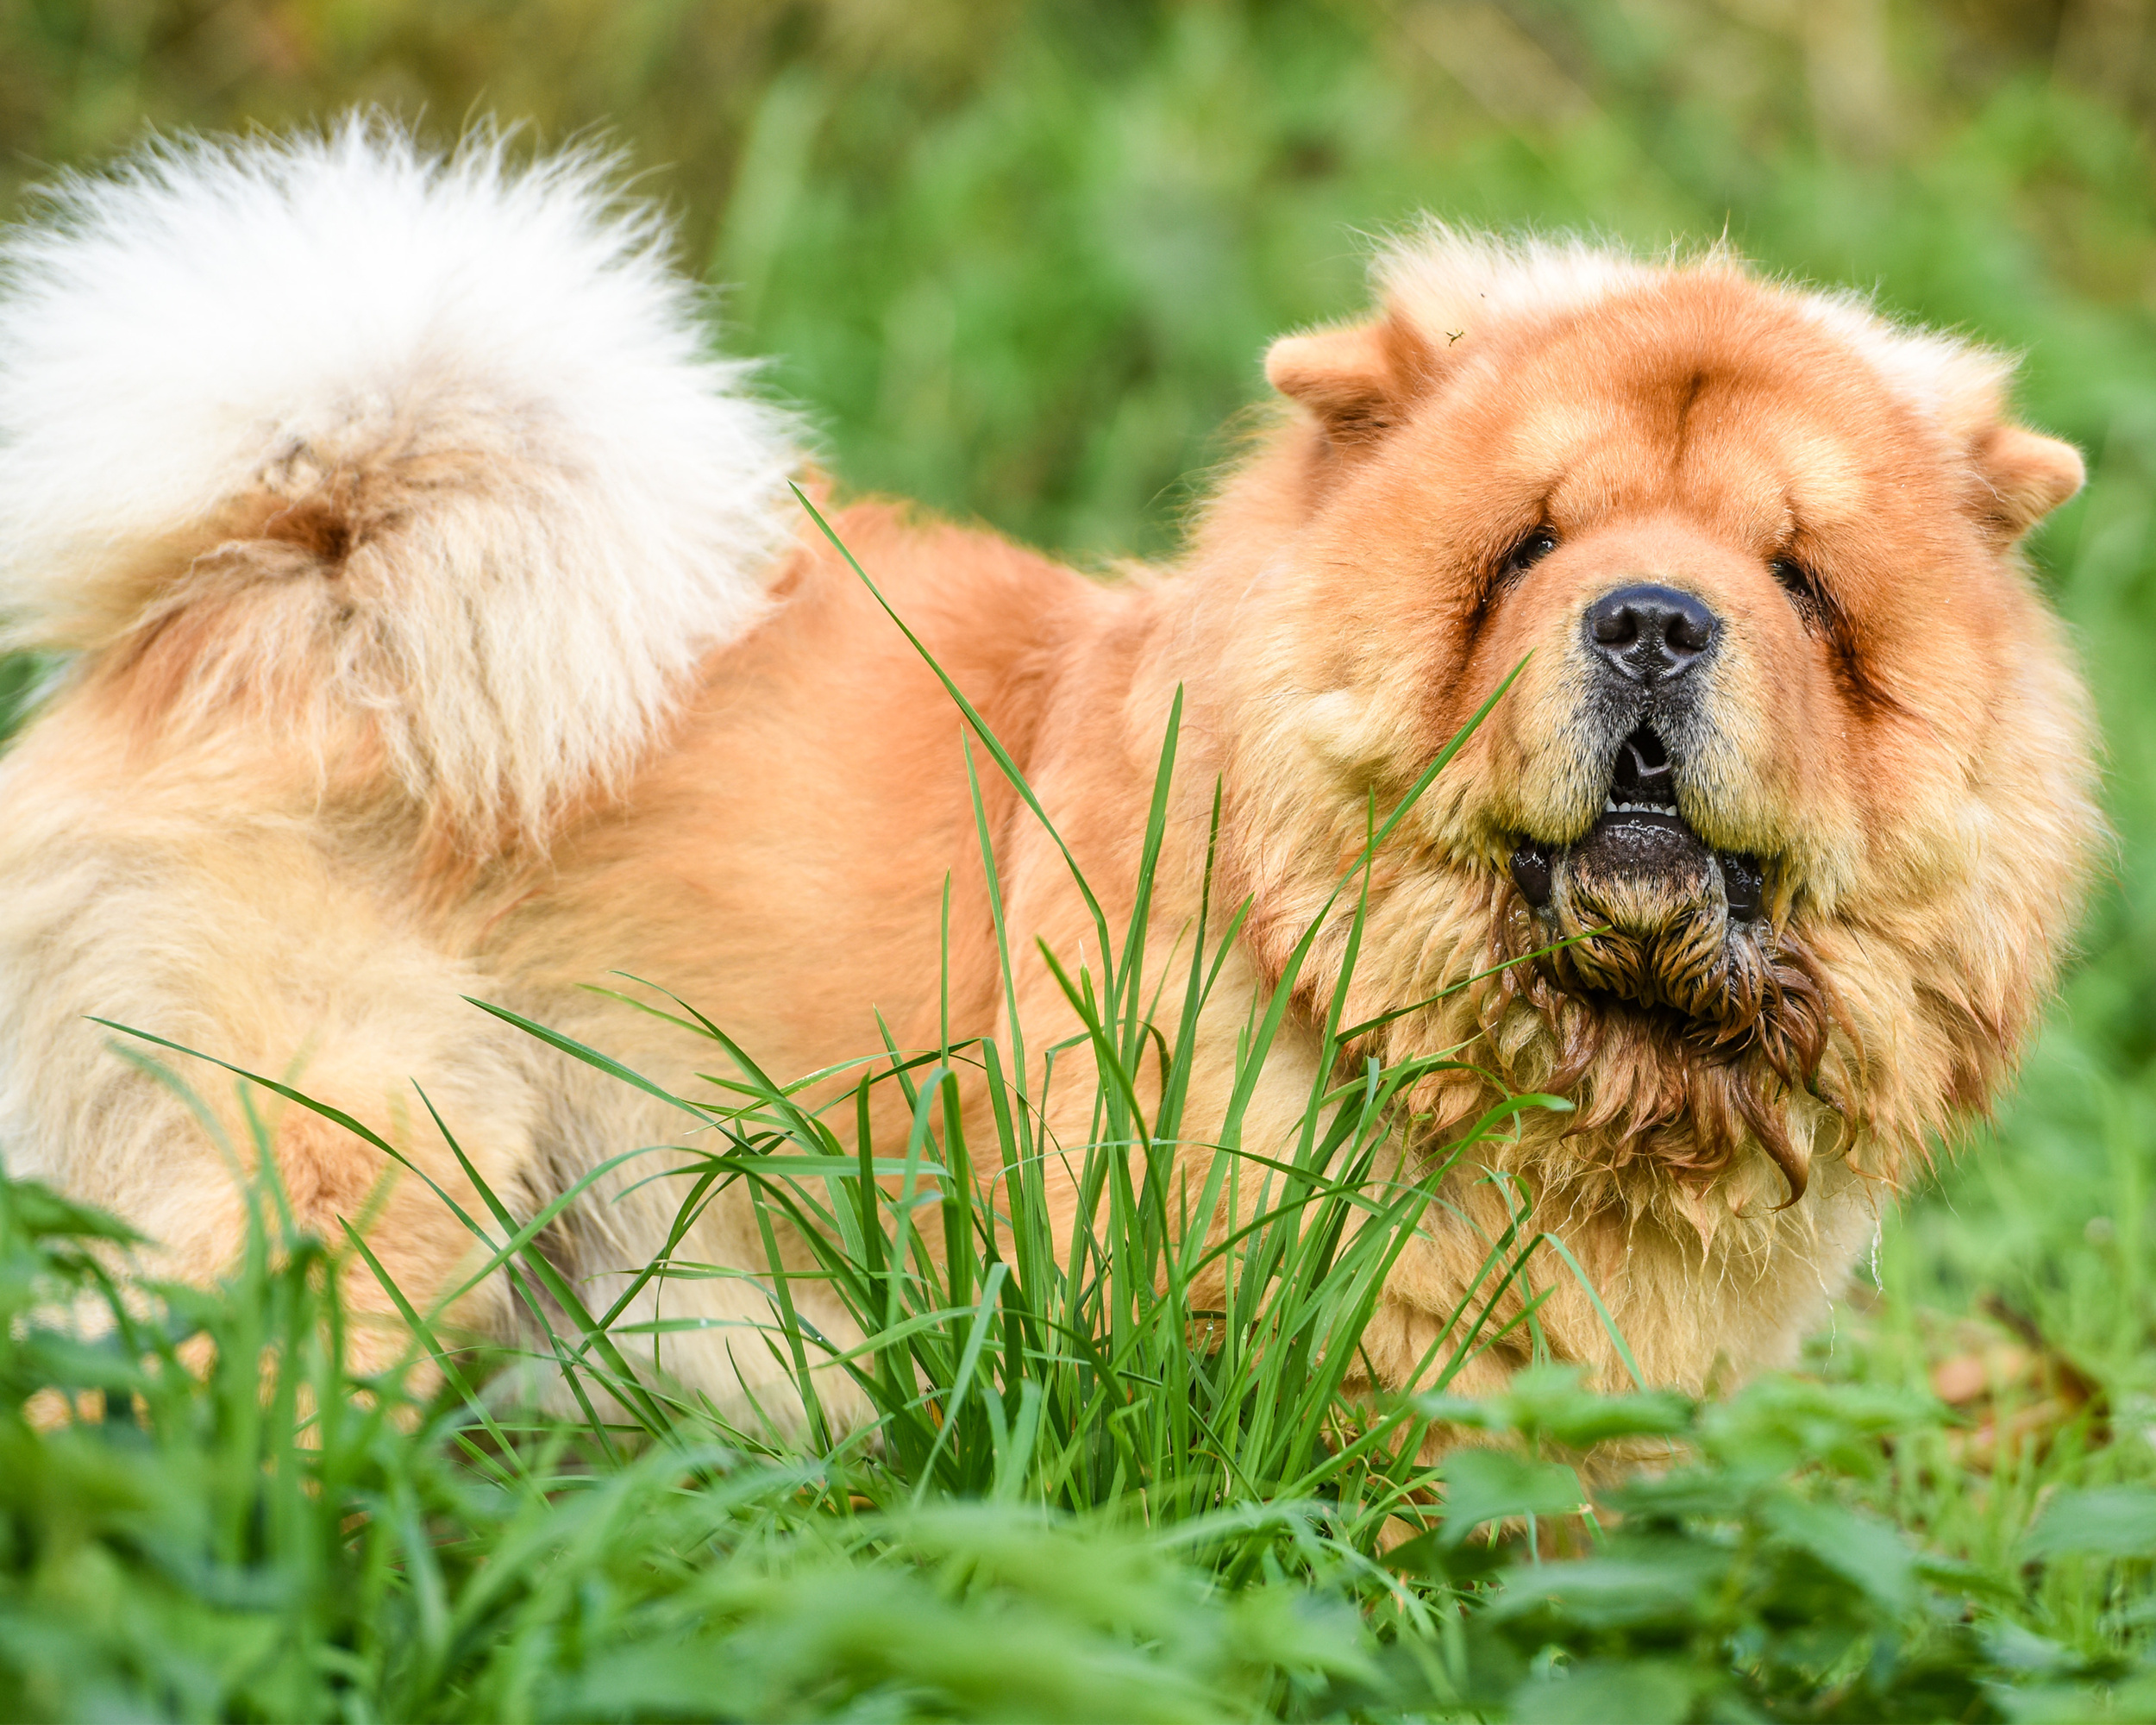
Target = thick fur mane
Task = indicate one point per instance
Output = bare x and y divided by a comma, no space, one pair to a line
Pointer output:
416,456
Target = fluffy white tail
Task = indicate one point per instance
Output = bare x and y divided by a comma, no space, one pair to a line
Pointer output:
331,426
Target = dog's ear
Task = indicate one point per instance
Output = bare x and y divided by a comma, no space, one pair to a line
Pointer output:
1357,383
2026,476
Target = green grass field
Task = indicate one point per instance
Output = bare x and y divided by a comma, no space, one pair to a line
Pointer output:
1020,261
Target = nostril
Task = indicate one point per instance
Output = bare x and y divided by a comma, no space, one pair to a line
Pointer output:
1612,628
1691,630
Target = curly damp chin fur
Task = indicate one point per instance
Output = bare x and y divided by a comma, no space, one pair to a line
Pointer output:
1659,1098
1686,1044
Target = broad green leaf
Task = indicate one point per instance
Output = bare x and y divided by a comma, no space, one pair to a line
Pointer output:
2112,1522
1665,1583
1859,1549
1637,1692
1550,1402
1485,1485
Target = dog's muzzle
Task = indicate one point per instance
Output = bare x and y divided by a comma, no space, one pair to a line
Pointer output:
1657,910
1641,836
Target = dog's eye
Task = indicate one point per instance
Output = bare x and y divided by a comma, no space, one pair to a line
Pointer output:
1530,551
1799,582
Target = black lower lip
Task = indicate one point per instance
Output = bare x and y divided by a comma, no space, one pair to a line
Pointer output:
1641,842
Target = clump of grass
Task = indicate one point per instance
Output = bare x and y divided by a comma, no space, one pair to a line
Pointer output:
230,1527
260,1537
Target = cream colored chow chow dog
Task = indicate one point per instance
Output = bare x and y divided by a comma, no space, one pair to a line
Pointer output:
438,623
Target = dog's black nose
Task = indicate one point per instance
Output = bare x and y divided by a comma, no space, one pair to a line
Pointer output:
1648,632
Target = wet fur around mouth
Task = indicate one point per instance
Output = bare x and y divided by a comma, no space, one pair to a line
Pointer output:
1640,933
1648,912
1712,1027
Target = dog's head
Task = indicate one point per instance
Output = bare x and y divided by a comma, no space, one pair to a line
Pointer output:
1791,792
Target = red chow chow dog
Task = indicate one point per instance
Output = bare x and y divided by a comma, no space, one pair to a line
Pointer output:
438,623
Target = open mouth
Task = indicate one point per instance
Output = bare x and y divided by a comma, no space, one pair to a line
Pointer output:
1641,840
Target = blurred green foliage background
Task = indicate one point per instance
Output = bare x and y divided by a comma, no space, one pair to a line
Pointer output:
1020,261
